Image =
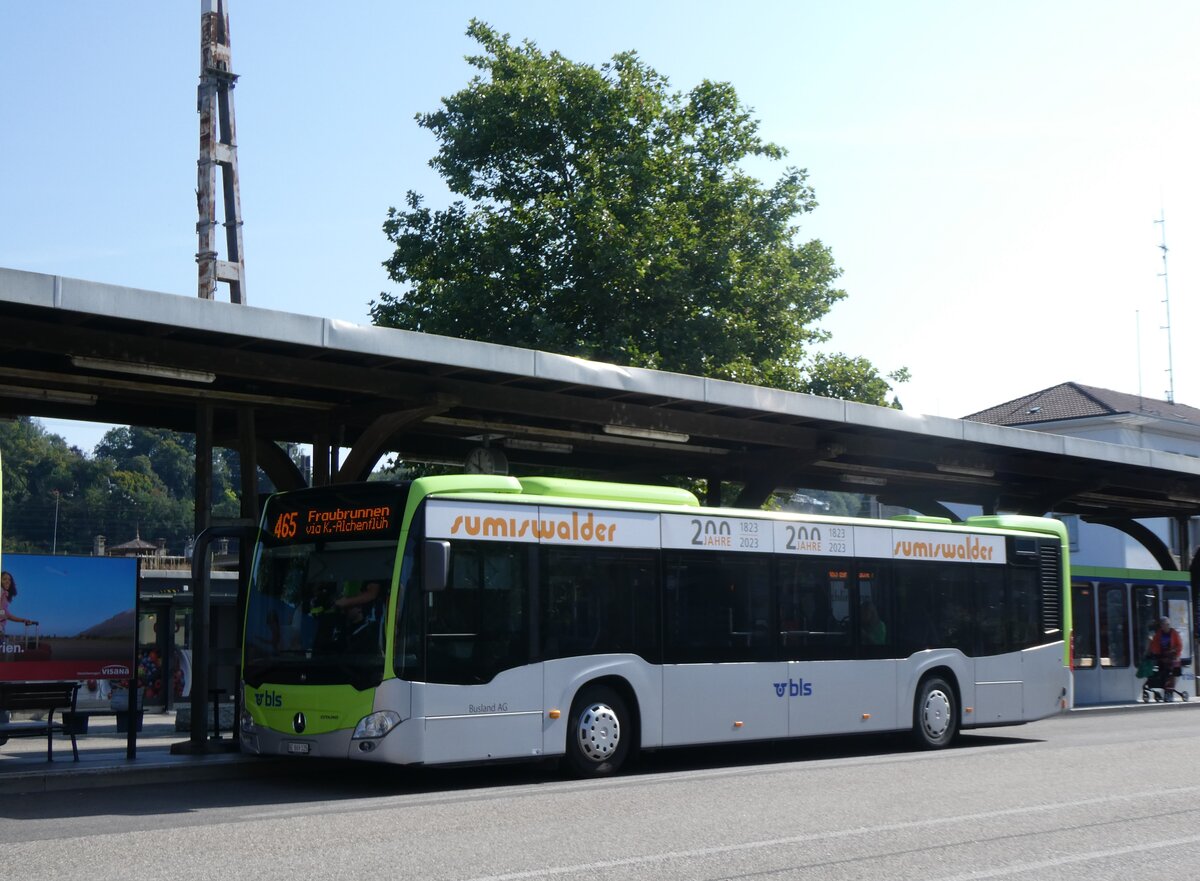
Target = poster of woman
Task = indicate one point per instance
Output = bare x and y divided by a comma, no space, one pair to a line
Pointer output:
68,617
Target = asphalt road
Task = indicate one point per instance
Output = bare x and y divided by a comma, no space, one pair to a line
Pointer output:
1090,795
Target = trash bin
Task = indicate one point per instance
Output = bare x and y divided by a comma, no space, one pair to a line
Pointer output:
120,699
123,721
120,705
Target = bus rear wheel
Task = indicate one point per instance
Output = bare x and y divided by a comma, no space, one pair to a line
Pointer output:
598,739
935,714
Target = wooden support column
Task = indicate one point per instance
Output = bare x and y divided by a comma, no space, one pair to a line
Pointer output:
248,454
1184,540
204,470
321,473
201,611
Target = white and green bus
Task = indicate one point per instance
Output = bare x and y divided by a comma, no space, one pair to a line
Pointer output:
473,618
1113,613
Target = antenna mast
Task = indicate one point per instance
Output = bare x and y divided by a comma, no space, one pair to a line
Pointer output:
218,148
1137,317
1167,301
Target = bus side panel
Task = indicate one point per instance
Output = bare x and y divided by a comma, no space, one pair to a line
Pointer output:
702,703
501,719
998,690
1047,681
841,697
566,676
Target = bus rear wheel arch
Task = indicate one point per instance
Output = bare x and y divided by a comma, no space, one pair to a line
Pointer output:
935,712
601,730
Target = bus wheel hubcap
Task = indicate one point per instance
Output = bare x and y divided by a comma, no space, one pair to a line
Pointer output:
599,732
936,716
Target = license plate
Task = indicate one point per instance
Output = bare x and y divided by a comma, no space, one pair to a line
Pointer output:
299,748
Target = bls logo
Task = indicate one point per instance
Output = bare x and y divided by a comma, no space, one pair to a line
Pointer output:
268,699
793,688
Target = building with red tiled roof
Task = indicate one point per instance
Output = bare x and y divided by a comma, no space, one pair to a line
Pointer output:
1112,604
1099,414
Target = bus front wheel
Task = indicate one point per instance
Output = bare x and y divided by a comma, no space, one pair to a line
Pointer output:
598,739
935,714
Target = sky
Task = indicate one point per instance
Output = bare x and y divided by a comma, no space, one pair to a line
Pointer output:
68,595
989,175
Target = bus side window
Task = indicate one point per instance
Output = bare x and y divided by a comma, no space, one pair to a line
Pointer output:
814,609
716,607
480,624
994,627
876,631
918,618
599,601
1025,618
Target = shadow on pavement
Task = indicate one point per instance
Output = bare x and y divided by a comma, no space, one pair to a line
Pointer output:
248,782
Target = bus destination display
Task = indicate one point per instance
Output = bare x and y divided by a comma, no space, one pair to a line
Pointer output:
327,520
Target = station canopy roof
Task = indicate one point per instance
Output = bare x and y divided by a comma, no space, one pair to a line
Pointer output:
75,349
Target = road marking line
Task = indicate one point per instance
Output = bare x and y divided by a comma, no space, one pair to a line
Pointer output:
870,830
1086,857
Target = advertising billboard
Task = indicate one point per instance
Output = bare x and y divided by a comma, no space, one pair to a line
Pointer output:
67,617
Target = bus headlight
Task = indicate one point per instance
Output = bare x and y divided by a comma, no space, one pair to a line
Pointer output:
248,726
376,724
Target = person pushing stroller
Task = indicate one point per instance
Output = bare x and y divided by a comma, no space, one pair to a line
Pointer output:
1164,649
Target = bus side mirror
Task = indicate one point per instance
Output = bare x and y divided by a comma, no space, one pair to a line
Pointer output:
435,565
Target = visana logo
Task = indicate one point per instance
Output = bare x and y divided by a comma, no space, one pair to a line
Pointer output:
114,670
793,688
268,699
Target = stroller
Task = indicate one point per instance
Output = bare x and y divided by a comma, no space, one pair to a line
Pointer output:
1157,673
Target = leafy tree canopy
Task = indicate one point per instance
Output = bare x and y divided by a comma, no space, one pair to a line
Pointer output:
139,482
606,216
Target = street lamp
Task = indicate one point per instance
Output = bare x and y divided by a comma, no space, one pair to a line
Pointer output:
54,545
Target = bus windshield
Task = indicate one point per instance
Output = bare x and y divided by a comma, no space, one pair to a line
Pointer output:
321,589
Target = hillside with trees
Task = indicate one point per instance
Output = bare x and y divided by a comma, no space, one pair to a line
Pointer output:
137,481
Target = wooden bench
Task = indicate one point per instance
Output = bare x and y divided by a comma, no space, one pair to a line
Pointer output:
40,697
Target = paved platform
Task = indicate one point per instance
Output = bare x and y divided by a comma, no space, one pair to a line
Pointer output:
104,761
103,754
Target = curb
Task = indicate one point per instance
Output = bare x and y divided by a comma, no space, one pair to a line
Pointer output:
1134,706
136,772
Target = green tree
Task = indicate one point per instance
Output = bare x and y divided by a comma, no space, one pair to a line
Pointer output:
853,379
139,481
171,456
41,472
605,216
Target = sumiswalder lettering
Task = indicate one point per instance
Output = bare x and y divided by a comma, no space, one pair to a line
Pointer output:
968,548
574,528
